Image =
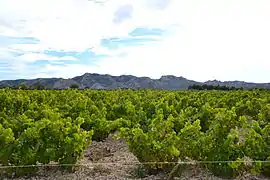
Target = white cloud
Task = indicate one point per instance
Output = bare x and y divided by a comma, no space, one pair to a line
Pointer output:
63,71
6,53
216,40
32,57
208,39
73,25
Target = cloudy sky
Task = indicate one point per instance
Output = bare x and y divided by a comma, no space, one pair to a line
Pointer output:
200,40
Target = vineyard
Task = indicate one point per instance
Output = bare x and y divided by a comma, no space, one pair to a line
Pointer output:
44,126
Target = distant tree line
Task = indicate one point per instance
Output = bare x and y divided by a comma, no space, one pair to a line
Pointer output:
41,86
218,87
23,86
34,86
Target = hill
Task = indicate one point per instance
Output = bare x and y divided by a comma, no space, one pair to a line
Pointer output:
105,81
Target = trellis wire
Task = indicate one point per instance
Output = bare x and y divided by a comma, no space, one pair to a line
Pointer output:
130,162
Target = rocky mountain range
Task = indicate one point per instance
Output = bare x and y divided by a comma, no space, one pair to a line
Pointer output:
105,81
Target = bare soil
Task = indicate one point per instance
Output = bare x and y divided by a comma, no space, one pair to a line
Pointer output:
111,160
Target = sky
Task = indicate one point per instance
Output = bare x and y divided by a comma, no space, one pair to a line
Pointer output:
200,40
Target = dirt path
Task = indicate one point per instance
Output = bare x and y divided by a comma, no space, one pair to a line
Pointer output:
108,160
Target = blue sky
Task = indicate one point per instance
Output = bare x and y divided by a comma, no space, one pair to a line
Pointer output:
200,40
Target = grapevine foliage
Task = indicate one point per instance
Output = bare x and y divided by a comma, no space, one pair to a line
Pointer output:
44,126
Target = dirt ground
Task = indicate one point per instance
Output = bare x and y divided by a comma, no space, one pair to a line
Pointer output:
111,160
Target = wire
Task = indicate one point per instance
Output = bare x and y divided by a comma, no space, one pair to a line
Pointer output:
130,162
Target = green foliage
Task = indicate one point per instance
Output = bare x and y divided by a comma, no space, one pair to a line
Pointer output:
23,86
159,126
140,172
74,86
213,87
37,86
